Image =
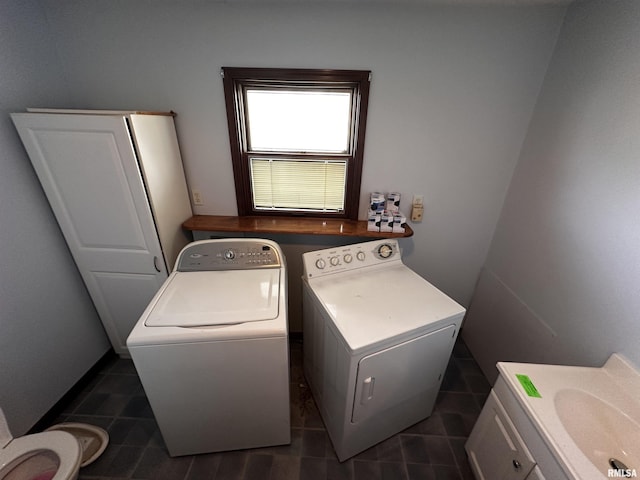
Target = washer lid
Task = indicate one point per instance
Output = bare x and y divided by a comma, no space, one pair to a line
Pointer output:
191,299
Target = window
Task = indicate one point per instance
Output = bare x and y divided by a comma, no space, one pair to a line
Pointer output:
297,139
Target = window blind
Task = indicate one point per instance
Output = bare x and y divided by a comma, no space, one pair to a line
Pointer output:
284,184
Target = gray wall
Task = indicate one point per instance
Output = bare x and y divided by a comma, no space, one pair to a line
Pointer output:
50,334
562,280
451,101
452,94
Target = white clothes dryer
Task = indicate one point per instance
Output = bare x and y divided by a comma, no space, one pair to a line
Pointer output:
211,349
377,341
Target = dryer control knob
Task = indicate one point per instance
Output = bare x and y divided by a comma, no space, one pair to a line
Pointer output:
360,256
334,261
320,263
229,254
385,251
347,258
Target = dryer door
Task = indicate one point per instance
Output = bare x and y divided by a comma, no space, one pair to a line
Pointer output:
396,374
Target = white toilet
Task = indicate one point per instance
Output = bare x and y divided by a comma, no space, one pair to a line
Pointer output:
51,455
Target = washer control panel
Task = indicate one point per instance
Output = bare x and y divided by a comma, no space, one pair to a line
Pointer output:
229,254
350,257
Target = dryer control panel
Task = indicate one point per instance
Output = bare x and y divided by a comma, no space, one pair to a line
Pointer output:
350,257
229,254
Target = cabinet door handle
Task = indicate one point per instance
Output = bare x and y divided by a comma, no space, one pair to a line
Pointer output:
155,264
517,465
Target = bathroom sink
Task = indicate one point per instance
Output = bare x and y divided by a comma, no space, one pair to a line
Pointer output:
601,431
588,417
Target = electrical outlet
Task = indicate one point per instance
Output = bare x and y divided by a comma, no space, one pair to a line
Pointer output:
197,197
416,213
417,208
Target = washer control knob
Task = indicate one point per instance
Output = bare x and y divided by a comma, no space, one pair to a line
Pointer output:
320,263
348,258
334,261
360,256
229,254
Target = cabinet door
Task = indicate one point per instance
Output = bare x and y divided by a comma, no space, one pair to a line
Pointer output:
496,451
89,172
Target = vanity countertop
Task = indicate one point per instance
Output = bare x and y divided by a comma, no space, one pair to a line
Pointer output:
592,405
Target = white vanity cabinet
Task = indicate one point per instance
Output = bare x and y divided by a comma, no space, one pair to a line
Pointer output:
116,185
505,445
495,448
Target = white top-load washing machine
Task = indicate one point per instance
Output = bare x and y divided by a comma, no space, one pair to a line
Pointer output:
211,349
377,341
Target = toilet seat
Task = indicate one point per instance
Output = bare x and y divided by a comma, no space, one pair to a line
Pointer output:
62,445
93,440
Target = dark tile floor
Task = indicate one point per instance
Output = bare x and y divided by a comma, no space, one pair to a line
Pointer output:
432,449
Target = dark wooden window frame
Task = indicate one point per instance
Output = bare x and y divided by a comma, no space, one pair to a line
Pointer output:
237,79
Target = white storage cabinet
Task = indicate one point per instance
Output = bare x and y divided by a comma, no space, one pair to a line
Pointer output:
116,185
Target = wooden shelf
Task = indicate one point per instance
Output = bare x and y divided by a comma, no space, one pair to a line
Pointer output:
287,225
